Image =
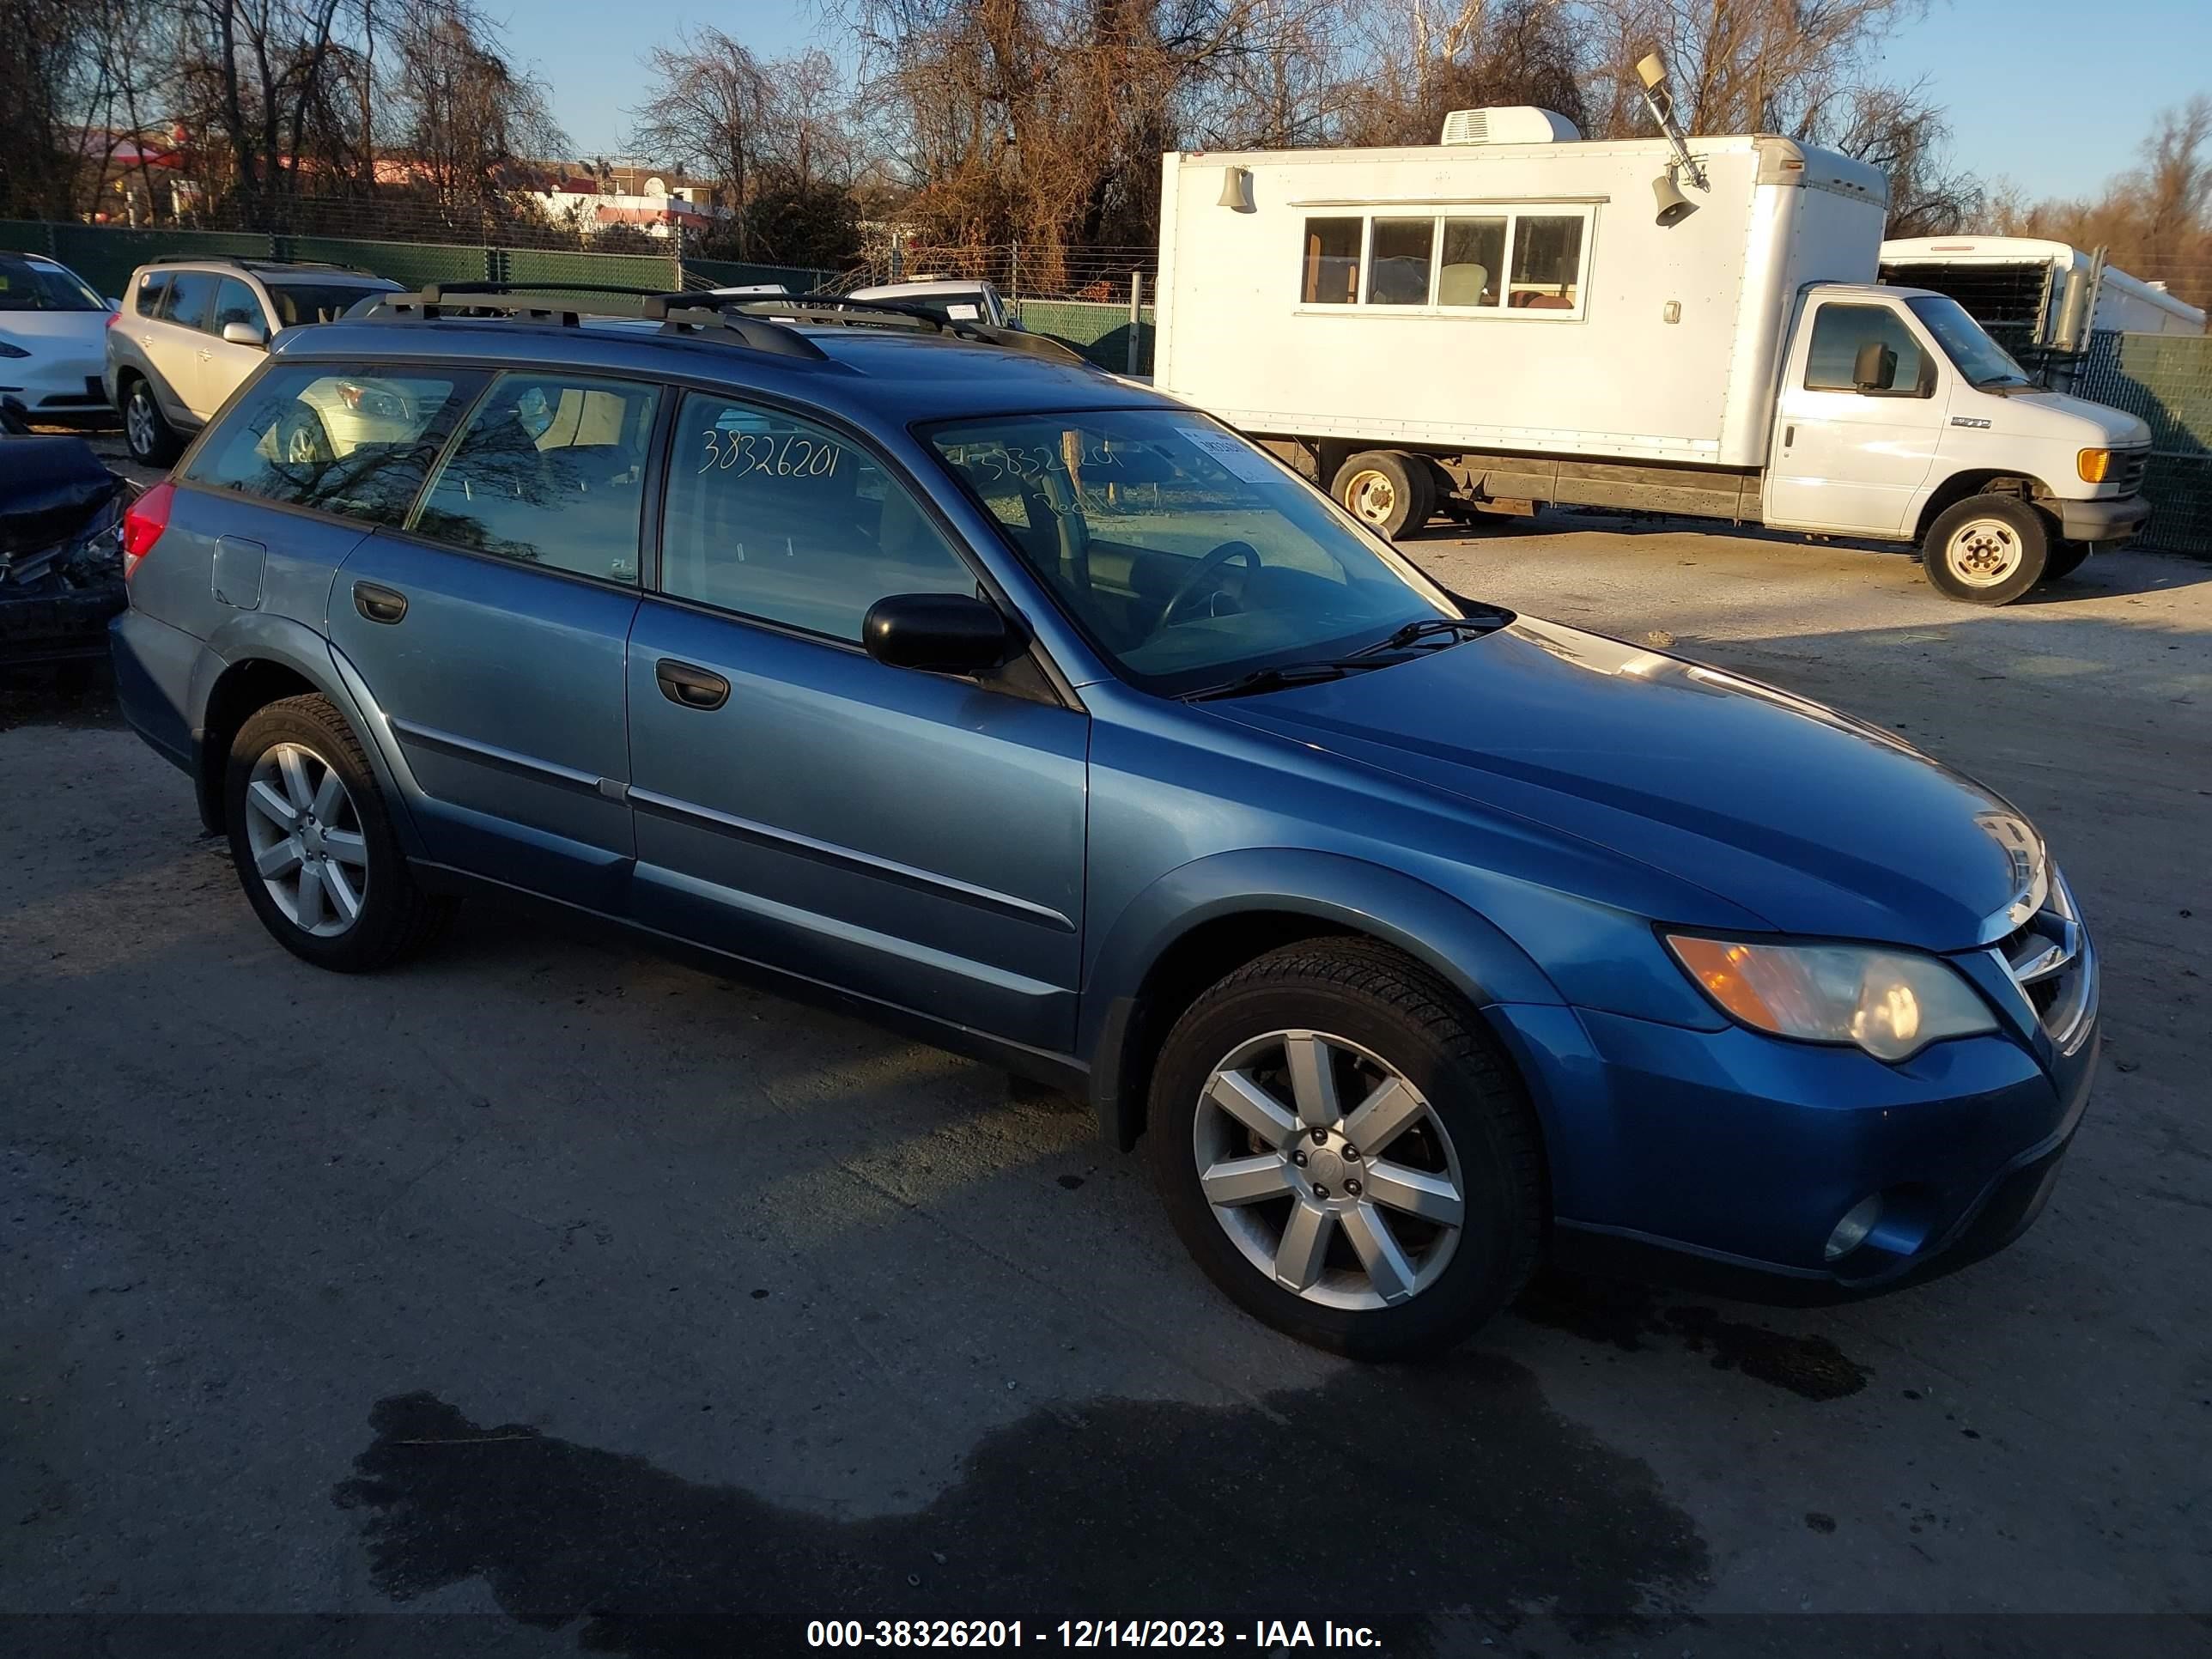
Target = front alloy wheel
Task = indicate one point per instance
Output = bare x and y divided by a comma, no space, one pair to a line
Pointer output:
1326,1169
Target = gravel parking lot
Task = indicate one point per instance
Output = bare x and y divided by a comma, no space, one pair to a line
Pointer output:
556,1291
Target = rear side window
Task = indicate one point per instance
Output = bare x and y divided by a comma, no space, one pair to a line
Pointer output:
191,293
779,518
1330,271
353,440
153,292
551,471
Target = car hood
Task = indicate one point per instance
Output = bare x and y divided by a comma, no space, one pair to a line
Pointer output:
2037,413
1816,822
33,329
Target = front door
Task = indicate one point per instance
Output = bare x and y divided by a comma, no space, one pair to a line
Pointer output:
916,838
490,631
223,364
1847,458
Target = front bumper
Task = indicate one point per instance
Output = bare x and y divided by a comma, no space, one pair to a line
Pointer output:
1727,1157
2105,522
52,388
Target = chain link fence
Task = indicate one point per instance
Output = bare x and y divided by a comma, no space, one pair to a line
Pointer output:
2166,379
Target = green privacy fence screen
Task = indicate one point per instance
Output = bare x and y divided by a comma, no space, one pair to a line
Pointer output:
1100,332
2166,378
106,255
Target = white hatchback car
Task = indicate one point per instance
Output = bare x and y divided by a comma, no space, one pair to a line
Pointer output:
191,330
52,325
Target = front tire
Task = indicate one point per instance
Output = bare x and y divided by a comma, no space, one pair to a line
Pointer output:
2066,558
1261,1098
1988,549
313,844
153,441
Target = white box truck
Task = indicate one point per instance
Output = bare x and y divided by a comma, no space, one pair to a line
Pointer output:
2037,297
1516,317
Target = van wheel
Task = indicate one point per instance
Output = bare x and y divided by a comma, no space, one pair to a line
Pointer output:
1347,1153
2066,558
1988,549
1386,488
153,441
313,843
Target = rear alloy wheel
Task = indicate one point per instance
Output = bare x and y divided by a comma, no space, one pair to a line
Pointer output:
1988,549
1391,491
152,440
313,844
1346,1151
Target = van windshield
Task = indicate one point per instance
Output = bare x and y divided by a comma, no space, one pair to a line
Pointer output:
1189,557
1982,360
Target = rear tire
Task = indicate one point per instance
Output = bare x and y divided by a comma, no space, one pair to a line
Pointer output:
1988,549
1388,1250
152,441
313,844
1387,490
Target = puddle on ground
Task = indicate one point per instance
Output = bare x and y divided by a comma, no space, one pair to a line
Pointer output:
1387,1497
1630,1317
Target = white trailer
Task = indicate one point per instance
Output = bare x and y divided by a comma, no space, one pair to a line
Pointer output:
2033,295
1517,317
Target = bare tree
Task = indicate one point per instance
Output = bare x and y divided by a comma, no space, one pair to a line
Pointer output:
468,117
710,113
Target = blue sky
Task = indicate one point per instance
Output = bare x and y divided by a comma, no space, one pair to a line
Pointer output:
2053,96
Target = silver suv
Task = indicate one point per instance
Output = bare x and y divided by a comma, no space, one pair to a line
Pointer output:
191,330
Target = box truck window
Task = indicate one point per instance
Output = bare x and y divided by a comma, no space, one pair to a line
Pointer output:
1398,262
1475,257
1839,332
1548,262
1332,262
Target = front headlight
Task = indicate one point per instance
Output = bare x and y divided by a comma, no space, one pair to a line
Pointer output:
10,349
1891,1003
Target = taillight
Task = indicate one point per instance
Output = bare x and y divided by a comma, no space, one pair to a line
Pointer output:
113,318
143,523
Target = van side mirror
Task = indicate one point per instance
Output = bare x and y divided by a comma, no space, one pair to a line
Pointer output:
937,633
1875,368
251,334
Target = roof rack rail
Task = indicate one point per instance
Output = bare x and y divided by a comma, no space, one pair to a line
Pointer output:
257,262
890,313
544,302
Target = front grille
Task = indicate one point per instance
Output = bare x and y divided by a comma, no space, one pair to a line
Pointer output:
2050,959
2130,465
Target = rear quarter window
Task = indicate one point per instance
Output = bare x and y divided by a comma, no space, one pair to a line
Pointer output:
354,440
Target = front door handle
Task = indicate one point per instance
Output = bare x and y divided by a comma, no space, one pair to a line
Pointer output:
377,603
1788,436
694,688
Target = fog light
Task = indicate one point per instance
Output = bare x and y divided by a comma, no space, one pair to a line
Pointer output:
1851,1232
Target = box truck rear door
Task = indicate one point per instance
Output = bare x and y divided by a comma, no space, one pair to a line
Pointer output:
1858,422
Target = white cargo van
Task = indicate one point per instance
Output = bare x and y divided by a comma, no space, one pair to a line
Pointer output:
1517,317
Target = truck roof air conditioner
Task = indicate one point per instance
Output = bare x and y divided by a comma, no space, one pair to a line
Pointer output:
1517,124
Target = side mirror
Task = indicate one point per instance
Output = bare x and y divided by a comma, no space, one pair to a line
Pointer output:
251,334
114,304
1875,368
939,633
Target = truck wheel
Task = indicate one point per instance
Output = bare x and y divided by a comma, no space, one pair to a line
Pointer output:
1386,488
1346,1151
1988,549
2065,559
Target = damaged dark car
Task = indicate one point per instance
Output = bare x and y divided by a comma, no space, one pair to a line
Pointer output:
61,564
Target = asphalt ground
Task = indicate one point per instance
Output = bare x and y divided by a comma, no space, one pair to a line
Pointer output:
540,1297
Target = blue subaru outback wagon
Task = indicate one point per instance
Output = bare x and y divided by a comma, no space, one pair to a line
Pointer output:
1034,713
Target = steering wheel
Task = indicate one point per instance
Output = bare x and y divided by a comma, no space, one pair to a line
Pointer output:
1208,569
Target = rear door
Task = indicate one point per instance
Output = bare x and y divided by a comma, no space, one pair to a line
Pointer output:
172,339
914,837
490,632
1848,457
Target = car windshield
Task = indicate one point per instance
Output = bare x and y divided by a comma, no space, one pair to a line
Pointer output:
298,303
1189,557
1980,359
28,287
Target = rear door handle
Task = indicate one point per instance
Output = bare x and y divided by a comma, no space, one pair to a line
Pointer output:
377,603
694,688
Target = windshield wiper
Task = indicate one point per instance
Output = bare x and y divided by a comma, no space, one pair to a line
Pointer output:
1413,632
1278,678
